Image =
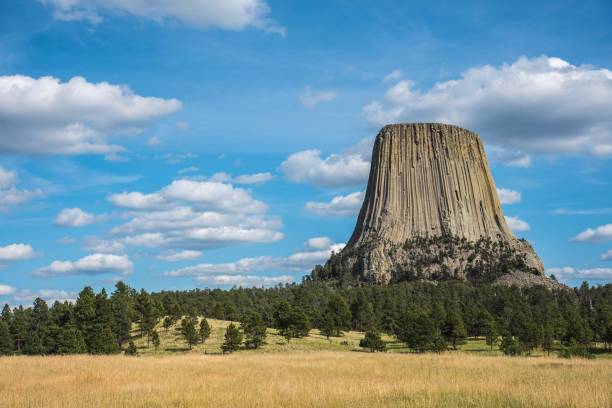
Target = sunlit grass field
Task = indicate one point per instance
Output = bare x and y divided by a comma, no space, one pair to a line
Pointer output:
307,372
304,379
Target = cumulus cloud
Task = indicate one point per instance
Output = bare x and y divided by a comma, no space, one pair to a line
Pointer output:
256,178
10,195
189,214
16,252
103,246
6,290
316,251
48,116
349,168
392,76
75,217
224,14
341,205
603,233
311,98
244,280
48,295
513,158
179,256
204,194
7,177
607,256
534,105
569,272
93,264
507,196
516,224
585,211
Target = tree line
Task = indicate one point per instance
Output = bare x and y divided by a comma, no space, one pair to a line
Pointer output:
425,316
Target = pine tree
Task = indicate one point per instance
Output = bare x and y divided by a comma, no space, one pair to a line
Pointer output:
373,342
453,329
233,339
548,337
155,339
19,328
131,349
85,314
254,330
41,341
417,330
122,305
189,332
362,312
70,341
6,340
490,331
337,315
167,323
204,330
7,315
291,322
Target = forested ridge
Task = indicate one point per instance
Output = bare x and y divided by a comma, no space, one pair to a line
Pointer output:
424,315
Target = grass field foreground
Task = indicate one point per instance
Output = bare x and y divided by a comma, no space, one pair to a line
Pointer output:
298,379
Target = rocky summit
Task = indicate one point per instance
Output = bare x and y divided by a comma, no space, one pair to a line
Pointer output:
431,211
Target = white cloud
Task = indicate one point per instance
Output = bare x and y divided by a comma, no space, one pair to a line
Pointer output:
516,224
569,272
317,251
537,105
206,195
244,280
182,126
514,158
75,217
225,14
311,98
190,169
49,295
257,178
318,243
179,256
342,205
16,252
603,233
103,246
7,178
6,290
189,214
586,211
10,196
394,75
48,116
153,141
349,168
607,256
89,265
507,196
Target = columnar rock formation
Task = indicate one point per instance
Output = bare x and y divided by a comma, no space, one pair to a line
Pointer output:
428,180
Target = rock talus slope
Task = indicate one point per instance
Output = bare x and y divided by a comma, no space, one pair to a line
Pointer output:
427,180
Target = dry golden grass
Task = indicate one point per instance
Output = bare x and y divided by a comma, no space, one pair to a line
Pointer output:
304,379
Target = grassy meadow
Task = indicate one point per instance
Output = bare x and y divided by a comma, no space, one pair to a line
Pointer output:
307,372
299,379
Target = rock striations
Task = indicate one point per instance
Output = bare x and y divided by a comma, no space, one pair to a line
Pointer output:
431,210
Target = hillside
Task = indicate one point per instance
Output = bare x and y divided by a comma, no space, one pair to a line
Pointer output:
171,342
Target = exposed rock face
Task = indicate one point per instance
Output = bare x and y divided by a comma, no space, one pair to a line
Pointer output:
428,180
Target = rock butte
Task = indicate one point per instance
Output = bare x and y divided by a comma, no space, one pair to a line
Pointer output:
426,179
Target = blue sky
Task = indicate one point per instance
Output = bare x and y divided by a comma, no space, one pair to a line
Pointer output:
222,142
